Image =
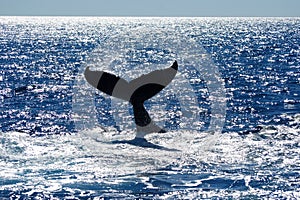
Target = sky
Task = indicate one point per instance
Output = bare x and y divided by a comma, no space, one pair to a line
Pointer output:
179,8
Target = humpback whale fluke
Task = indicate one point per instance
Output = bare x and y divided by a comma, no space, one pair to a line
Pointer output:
136,92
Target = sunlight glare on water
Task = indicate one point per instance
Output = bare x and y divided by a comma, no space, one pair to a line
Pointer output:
232,111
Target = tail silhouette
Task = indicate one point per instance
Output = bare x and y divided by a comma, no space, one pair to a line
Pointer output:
136,92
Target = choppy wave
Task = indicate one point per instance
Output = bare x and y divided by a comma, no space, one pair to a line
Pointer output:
48,150
255,166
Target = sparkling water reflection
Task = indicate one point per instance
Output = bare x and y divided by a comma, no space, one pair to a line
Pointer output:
42,155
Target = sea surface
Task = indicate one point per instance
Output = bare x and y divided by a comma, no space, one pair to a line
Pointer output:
232,112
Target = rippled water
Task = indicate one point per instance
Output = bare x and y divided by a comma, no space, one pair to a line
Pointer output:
232,111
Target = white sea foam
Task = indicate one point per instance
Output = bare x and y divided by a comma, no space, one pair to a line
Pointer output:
52,163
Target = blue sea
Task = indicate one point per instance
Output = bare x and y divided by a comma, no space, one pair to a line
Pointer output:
232,112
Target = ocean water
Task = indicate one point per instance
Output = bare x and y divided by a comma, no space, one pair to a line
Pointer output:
232,112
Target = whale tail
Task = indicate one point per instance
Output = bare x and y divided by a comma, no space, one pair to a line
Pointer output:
136,92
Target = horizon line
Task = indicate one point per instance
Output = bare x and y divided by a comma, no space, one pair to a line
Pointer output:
149,16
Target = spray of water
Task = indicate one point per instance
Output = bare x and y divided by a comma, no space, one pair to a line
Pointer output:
140,49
